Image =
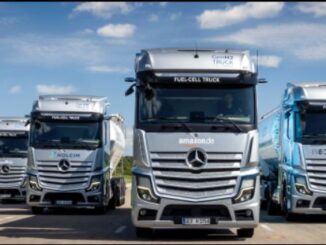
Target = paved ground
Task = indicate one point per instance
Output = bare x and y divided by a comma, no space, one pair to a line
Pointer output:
18,225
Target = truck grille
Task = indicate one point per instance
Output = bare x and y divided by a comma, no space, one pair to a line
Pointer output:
77,177
174,177
14,177
316,170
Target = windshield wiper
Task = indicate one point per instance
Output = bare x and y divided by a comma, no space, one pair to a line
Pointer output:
48,144
89,144
178,124
225,120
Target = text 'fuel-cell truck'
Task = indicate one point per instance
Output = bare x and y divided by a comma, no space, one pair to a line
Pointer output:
75,146
292,151
13,158
195,141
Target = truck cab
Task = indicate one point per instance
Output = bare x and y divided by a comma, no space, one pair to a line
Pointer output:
13,158
195,141
294,159
75,147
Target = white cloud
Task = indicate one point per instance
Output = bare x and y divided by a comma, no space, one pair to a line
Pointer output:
16,89
108,69
175,16
318,9
153,18
86,31
214,19
103,9
299,39
270,61
117,30
163,4
55,89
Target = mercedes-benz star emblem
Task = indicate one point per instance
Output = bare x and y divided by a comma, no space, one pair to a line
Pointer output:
64,165
196,158
5,169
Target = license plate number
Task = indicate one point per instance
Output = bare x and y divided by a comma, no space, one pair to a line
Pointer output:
63,202
196,221
5,196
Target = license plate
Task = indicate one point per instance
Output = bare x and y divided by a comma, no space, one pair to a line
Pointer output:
5,196
196,221
63,202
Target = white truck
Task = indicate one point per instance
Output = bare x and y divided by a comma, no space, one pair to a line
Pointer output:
195,141
75,146
13,158
292,152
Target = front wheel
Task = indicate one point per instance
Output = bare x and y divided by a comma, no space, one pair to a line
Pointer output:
144,232
245,233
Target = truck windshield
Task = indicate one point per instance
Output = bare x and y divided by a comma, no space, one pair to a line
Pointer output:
14,146
208,105
311,127
66,134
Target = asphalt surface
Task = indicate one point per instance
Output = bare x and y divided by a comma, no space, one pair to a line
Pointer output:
19,225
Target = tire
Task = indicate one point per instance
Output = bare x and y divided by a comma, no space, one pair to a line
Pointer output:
272,208
144,232
37,210
289,216
114,202
245,233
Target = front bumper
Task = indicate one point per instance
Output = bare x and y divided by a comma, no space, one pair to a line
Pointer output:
159,220
315,204
71,199
13,193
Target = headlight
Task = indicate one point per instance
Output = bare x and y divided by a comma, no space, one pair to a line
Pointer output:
33,183
95,183
247,190
301,185
144,189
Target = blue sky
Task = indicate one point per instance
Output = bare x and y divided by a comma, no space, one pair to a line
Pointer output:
89,48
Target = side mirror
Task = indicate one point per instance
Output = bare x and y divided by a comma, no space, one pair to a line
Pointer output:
130,80
262,80
130,90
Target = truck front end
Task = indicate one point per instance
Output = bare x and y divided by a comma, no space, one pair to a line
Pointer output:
13,158
68,164
195,142
305,152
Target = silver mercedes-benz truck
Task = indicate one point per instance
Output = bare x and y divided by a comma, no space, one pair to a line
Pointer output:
13,158
75,146
195,141
292,152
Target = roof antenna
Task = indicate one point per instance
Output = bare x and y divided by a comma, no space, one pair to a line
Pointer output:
196,56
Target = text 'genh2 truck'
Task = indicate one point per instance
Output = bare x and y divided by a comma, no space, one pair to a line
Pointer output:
195,141
74,149
13,158
293,152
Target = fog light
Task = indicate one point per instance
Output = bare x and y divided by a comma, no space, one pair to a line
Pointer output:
248,213
142,212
